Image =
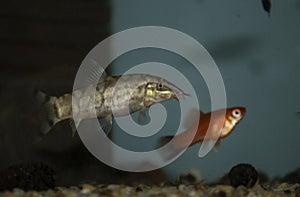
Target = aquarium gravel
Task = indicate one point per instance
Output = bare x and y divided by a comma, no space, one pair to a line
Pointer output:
242,180
283,189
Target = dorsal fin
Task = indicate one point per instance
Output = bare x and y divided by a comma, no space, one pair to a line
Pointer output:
95,72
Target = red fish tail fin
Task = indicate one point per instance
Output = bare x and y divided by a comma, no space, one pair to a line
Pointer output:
170,151
164,140
192,120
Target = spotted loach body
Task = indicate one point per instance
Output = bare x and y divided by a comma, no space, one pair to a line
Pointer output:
111,96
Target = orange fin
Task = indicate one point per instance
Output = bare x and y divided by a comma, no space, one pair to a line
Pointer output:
164,140
169,151
193,118
217,144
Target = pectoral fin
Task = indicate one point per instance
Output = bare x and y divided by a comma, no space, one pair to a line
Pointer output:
217,144
106,124
74,126
142,114
211,140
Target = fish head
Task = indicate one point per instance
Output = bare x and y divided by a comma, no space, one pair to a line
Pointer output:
233,116
162,91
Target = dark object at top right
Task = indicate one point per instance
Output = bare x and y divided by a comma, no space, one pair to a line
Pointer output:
267,6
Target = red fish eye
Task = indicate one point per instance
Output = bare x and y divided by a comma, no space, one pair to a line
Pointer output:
236,113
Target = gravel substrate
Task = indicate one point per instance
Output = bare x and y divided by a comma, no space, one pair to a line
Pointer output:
283,189
37,179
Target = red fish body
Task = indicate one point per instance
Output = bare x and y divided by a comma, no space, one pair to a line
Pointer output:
212,124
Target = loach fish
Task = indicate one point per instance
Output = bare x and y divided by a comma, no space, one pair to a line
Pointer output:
219,128
134,92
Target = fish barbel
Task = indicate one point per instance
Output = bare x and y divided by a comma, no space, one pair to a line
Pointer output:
121,95
217,128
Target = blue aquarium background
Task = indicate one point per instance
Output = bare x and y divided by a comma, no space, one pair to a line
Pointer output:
259,58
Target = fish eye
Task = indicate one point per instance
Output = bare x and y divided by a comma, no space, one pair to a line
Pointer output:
160,85
236,113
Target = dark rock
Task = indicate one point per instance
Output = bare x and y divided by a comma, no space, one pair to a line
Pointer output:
35,176
222,194
192,176
138,189
293,177
243,174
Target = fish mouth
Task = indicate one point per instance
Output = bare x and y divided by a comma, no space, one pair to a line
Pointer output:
243,111
173,92
178,94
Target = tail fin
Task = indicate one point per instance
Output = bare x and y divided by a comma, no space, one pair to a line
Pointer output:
170,151
164,140
48,111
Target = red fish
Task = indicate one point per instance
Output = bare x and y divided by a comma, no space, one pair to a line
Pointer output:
219,127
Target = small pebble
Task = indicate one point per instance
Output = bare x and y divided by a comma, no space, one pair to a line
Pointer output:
113,186
192,176
85,191
181,187
138,189
241,191
18,192
228,190
286,187
87,188
222,194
